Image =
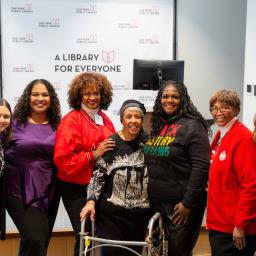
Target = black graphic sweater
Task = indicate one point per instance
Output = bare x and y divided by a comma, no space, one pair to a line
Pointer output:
178,162
120,177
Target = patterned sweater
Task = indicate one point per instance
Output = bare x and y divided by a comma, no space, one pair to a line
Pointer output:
120,177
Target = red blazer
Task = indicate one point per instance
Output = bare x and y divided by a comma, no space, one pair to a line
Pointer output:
76,138
232,182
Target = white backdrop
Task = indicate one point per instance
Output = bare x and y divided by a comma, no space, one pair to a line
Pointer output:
57,39
249,100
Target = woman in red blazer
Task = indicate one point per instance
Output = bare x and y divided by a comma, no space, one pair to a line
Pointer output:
82,137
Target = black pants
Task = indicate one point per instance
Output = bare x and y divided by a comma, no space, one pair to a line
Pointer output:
222,244
182,238
74,198
116,223
34,226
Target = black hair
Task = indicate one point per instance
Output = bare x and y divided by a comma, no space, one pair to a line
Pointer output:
187,108
22,109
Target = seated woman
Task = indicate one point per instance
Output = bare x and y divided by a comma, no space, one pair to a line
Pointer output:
118,187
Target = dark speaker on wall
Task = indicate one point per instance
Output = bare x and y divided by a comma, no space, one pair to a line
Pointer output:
151,74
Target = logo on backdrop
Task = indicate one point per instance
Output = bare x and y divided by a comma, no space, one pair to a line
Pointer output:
128,25
88,39
154,39
53,23
27,8
126,85
154,10
57,85
108,57
87,62
91,9
27,38
29,68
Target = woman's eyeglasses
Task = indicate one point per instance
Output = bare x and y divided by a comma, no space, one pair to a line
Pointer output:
222,109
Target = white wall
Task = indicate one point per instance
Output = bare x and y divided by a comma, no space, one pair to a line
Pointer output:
250,64
211,39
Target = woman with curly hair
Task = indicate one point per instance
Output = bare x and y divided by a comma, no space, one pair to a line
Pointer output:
5,132
177,157
32,201
81,139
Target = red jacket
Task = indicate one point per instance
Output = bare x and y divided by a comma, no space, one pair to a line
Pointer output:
232,182
76,138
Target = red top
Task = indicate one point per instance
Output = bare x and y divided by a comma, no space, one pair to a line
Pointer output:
76,139
232,182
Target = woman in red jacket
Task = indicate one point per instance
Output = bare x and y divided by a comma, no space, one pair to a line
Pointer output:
81,139
231,212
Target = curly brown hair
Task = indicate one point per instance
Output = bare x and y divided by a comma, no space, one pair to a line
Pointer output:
7,132
22,109
85,80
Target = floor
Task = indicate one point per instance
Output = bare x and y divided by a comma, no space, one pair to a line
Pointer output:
62,245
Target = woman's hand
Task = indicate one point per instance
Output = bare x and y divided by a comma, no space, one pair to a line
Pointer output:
104,146
88,210
180,214
239,238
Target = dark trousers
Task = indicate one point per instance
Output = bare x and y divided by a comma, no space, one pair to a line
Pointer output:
222,244
74,198
119,224
182,238
34,226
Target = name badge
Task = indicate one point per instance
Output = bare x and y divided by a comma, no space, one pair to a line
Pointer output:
98,119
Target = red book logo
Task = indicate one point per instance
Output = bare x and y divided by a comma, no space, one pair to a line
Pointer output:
108,56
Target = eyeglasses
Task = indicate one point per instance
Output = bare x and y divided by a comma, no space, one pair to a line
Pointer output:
222,109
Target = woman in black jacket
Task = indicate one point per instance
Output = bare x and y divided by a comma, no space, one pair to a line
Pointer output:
177,157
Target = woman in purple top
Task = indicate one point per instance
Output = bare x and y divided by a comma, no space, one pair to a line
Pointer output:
32,201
